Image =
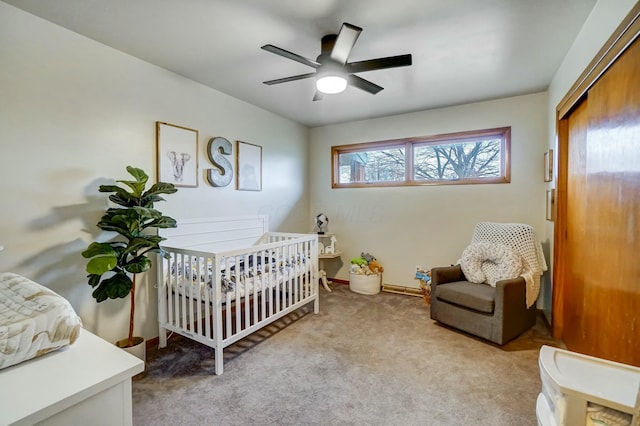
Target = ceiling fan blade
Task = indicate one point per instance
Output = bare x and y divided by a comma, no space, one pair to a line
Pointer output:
363,84
290,55
318,96
344,43
379,64
292,78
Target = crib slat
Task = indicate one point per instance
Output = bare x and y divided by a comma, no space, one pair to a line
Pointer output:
176,299
207,292
228,315
247,300
274,290
202,286
238,300
287,284
263,296
257,291
183,299
196,261
172,279
216,306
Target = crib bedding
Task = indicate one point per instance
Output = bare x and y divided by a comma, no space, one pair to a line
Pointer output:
34,320
239,276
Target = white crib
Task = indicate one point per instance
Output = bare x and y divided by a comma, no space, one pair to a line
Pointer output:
227,277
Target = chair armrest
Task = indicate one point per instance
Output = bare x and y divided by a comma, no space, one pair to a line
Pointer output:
511,296
446,274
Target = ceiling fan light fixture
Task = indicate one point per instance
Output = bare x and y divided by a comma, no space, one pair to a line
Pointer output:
331,84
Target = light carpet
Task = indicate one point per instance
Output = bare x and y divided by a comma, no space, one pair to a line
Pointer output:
363,360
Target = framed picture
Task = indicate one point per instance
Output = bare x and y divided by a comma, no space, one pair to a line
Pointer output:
548,165
248,167
177,154
549,204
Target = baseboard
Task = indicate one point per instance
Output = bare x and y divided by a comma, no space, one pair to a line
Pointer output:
409,291
389,288
152,343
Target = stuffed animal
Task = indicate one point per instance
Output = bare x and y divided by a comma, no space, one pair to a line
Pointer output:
360,261
423,275
357,269
367,256
375,267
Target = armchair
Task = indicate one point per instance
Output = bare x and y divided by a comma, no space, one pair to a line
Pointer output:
499,312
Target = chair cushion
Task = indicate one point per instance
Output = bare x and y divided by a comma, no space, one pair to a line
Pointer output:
479,297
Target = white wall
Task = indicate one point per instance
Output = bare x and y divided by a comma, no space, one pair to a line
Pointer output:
74,113
601,23
429,225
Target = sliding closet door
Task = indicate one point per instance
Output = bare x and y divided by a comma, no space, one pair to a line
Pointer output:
576,234
602,274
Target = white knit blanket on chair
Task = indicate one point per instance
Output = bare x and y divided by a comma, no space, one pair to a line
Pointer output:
523,239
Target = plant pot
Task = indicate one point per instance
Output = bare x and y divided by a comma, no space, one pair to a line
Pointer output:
139,348
365,284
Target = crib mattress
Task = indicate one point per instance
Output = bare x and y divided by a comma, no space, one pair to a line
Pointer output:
34,320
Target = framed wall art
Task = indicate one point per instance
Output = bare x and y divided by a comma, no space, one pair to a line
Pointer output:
177,154
248,167
548,165
549,204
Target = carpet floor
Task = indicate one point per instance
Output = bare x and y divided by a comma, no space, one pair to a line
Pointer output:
363,360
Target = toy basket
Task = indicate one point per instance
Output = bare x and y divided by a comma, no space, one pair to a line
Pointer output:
365,284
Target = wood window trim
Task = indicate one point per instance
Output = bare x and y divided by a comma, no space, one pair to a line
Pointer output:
408,143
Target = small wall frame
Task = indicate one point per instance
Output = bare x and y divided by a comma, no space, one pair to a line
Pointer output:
177,154
248,167
548,165
550,204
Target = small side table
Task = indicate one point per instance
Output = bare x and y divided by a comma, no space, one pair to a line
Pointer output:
334,254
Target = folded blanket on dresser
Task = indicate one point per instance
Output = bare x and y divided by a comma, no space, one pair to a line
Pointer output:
34,320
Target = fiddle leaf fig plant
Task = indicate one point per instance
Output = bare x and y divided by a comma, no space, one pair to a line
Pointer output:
114,265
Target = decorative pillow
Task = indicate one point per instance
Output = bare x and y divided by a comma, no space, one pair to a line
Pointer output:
489,262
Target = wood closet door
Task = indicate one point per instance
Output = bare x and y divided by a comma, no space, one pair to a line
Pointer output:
574,312
602,287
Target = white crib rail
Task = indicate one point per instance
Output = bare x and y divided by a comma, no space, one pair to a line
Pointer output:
209,315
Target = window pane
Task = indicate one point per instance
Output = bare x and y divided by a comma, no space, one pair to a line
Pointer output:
471,157
382,165
455,161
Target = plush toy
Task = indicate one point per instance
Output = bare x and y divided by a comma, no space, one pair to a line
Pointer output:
357,269
375,266
367,256
425,283
422,275
360,261
366,264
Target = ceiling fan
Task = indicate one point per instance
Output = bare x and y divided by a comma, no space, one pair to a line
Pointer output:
332,71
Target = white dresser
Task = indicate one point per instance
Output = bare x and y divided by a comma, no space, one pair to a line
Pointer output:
88,382
582,390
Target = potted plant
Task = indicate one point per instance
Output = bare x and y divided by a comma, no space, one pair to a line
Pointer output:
113,266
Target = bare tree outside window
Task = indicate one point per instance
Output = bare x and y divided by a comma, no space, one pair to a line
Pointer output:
386,165
457,161
470,157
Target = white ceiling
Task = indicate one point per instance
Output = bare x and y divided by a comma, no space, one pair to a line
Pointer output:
463,50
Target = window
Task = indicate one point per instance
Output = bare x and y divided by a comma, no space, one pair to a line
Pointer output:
480,156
